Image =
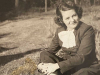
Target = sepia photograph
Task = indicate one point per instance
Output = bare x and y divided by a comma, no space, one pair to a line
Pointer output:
49,37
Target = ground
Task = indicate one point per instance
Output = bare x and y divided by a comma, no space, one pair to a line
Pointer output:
26,38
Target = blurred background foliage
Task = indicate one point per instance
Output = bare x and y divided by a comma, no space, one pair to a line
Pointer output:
13,8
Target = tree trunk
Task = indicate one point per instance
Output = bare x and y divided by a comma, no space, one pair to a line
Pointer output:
45,5
94,2
16,3
78,2
75,1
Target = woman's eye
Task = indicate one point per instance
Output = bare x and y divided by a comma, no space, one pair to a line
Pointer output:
67,18
74,15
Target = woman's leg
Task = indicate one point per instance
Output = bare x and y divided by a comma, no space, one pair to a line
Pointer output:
47,57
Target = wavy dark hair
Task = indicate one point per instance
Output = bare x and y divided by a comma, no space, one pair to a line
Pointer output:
65,5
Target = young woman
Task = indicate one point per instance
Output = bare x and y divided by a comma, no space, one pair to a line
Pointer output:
76,39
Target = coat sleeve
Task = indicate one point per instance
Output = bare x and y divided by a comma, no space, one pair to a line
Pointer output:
54,46
85,49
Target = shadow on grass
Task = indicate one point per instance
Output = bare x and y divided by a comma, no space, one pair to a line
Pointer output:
2,49
2,24
5,59
3,35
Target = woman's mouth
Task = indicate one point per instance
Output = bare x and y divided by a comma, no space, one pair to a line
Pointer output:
73,23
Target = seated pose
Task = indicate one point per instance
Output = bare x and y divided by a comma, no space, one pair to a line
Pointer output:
77,42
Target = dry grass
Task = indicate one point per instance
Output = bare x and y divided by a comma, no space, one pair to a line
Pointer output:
21,39
24,38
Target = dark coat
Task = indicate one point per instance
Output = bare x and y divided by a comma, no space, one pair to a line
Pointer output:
81,56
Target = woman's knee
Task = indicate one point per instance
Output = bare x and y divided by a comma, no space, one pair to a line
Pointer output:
46,56
44,53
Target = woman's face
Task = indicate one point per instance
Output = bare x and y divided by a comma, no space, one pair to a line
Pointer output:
70,18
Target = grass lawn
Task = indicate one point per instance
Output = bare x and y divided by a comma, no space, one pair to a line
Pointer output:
27,36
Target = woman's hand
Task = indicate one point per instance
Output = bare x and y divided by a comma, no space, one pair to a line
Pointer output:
42,68
48,68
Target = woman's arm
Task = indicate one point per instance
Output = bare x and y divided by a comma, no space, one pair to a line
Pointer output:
54,46
84,52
